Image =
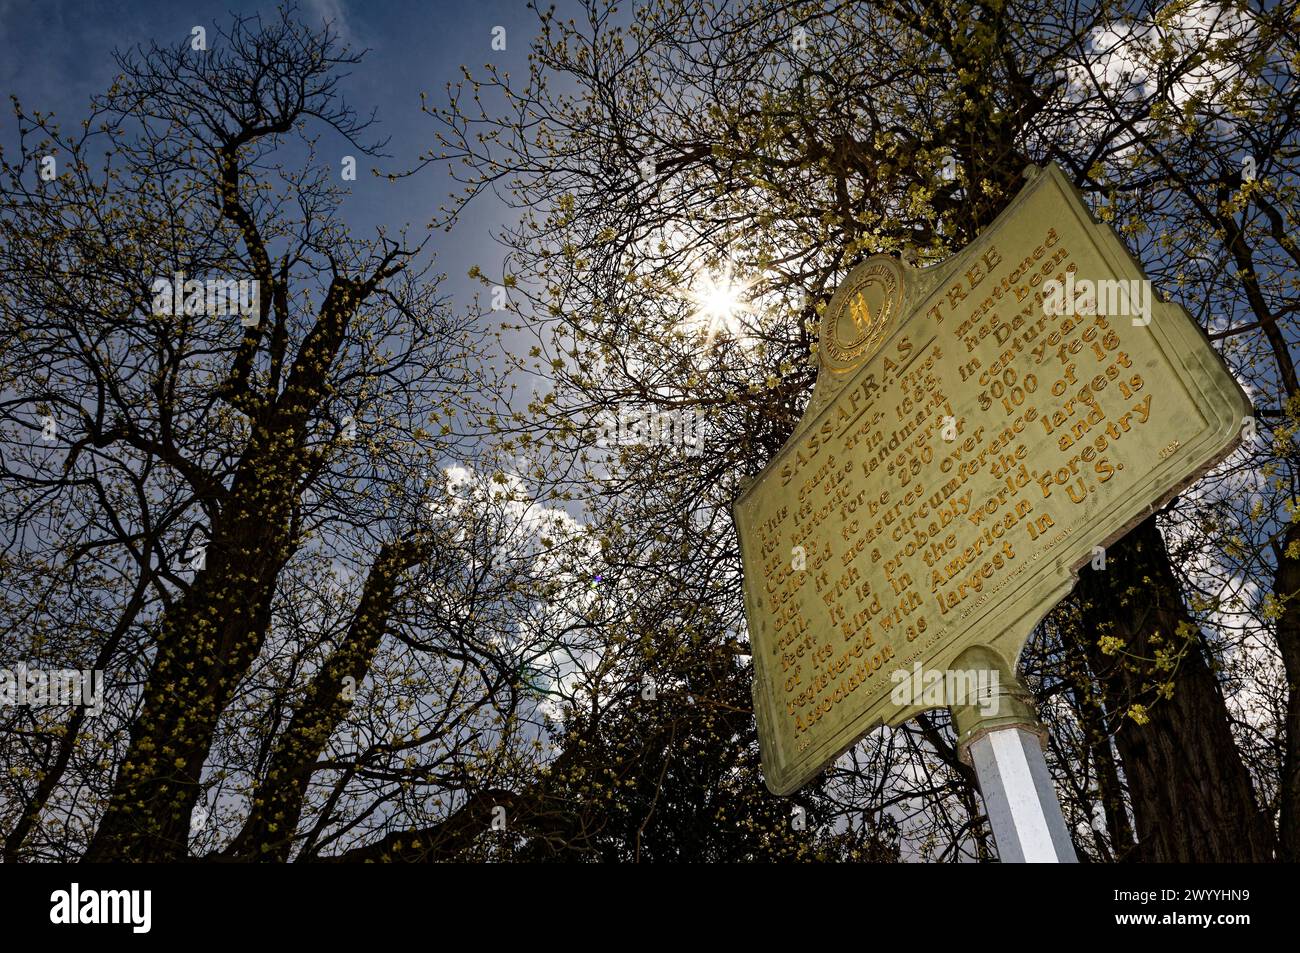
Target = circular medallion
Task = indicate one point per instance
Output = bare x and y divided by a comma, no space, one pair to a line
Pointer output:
859,315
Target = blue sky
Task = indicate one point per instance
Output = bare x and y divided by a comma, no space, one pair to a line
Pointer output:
56,54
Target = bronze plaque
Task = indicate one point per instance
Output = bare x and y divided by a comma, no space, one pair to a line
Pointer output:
977,428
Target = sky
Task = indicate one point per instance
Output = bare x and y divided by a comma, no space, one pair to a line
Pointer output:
56,54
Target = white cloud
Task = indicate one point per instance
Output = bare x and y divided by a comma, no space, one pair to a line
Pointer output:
330,11
1125,59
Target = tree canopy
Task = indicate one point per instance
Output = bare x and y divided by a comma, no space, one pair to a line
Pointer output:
356,600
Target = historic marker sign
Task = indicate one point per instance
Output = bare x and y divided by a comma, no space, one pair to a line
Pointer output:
977,428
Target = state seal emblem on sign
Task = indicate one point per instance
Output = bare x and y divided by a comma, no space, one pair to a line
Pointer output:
861,313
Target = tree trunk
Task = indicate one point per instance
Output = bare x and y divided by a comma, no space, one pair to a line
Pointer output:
206,643
1286,589
277,802
1191,795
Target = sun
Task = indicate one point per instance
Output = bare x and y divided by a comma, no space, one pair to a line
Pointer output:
718,300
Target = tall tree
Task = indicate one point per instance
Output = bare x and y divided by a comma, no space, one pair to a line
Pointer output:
239,515
769,147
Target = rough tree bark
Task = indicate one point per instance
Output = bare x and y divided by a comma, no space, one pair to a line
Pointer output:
208,640
1190,792
277,801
